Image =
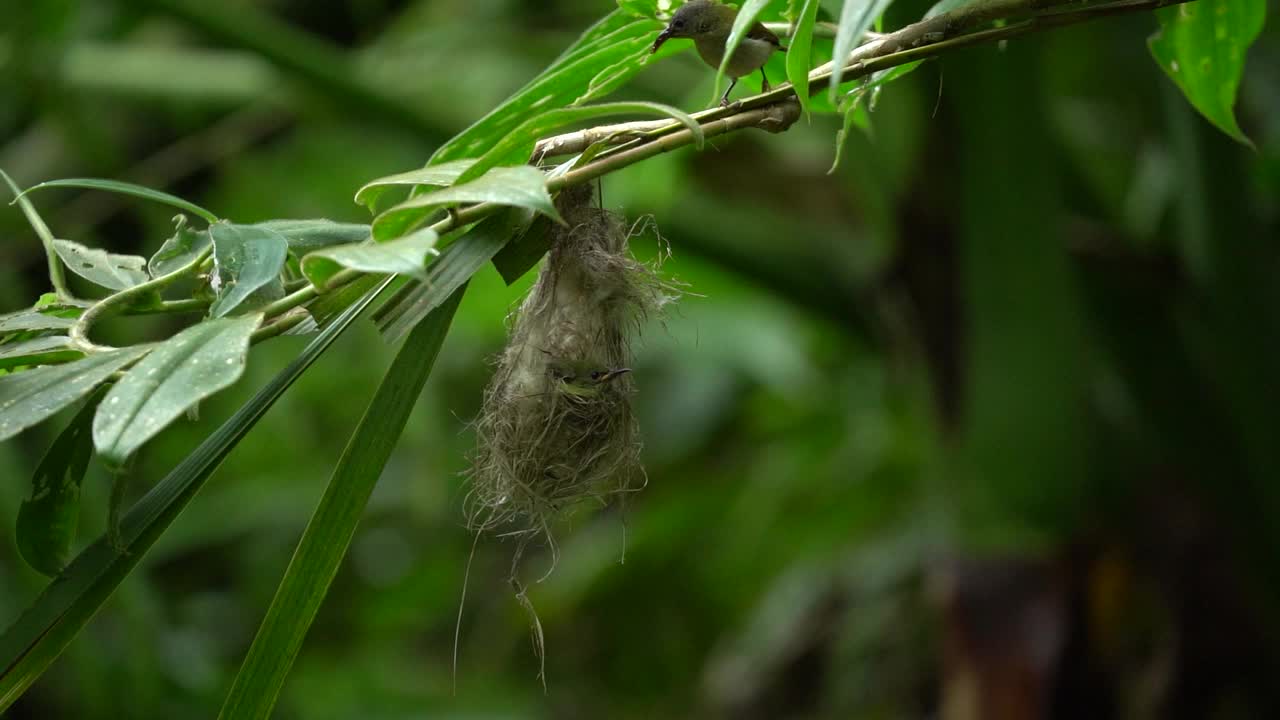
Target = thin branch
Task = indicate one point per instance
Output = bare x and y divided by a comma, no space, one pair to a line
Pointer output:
927,38
776,110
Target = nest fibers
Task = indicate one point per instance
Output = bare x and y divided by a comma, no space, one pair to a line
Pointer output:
556,426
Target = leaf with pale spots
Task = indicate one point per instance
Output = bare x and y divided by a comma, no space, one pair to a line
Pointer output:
178,374
29,397
111,271
1201,46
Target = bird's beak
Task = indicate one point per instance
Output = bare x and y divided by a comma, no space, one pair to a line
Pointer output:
613,375
663,36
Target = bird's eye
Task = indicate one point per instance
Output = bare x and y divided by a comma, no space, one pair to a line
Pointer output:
677,24
595,374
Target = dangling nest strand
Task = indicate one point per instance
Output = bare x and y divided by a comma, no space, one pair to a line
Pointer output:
556,426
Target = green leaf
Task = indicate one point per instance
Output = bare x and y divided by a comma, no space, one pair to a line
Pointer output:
521,186
46,524
1202,46
45,629
178,374
519,255
747,15
608,54
125,188
324,543
33,320
246,258
333,303
114,272
856,18
799,55
617,37
27,398
180,250
404,256
48,350
455,266
441,175
305,236
857,113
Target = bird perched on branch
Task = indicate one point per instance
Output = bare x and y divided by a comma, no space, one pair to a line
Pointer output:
708,24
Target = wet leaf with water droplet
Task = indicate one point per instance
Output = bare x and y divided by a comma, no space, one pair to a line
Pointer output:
179,373
1201,46
28,397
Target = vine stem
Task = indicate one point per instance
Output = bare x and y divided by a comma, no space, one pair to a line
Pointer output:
57,273
112,304
773,111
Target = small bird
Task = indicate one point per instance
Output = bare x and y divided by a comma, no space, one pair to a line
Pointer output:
582,379
708,24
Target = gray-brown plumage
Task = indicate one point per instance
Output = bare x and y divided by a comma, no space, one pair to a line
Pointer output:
708,24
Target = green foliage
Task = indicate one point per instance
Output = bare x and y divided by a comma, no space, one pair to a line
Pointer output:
522,186
605,56
29,397
403,256
441,175
247,259
125,188
450,271
1201,46
33,319
47,519
108,270
47,350
1023,400
174,377
799,57
328,535
184,247
516,147
856,18
44,630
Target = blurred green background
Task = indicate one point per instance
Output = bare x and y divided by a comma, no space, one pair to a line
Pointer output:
990,412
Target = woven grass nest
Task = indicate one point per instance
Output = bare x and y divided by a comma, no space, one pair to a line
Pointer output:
556,426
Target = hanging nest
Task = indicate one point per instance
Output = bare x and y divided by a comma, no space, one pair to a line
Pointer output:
556,426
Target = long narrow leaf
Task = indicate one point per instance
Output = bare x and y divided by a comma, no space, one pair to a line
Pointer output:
332,526
855,20
41,633
125,188
799,52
